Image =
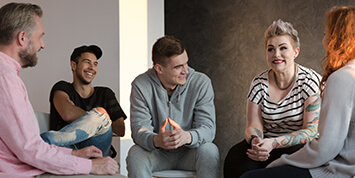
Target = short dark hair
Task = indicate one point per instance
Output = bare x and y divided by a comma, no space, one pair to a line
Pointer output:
17,17
166,47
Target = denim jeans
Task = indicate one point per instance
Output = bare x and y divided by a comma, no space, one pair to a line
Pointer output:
93,128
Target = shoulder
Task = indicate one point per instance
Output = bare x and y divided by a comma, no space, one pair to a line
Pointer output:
345,76
261,79
263,76
199,77
142,77
61,85
340,86
309,74
146,79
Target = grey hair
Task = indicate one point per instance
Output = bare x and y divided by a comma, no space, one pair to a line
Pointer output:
280,28
17,17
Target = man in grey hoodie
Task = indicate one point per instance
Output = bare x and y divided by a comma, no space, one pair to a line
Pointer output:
172,116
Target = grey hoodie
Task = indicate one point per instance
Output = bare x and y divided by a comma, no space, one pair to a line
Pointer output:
191,106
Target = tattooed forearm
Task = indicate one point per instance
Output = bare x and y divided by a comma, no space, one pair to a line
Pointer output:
275,144
304,135
258,133
301,136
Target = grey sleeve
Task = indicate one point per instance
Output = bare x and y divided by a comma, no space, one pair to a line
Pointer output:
141,123
204,124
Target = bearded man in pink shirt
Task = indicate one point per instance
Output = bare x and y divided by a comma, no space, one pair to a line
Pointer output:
22,151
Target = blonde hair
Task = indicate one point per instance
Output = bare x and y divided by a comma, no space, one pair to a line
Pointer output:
280,28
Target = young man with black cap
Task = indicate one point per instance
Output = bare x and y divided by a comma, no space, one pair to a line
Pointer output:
22,151
74,106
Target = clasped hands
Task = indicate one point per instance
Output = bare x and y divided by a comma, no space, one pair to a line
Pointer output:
171,139
260,149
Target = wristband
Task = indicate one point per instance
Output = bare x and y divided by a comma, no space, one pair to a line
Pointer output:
251,138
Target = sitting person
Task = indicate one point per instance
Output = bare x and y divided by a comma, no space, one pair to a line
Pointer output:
172,116
22,151
74,107
282,107
332,154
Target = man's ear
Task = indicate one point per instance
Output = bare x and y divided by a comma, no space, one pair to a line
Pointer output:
73,65
158,68
22,38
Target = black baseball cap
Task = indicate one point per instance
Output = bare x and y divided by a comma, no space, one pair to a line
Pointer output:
82,49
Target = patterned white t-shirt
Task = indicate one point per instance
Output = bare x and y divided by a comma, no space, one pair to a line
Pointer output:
287,115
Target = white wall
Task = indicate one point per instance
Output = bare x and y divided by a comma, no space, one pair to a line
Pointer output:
69,24
140,26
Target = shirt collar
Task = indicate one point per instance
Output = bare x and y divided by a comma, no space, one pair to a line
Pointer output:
12,62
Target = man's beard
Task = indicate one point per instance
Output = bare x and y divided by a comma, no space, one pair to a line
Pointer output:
28,57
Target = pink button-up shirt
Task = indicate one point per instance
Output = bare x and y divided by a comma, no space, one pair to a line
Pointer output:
22,151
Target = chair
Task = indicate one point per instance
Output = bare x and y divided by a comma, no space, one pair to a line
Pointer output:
174,174
43,121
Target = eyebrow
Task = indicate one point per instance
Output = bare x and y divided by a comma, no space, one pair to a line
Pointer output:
279,44
283,44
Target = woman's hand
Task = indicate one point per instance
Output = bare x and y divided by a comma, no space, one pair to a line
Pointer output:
268,144
257,152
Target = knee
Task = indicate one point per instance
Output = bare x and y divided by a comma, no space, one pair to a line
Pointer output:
46,138
102,111
238,151
136,156
208,150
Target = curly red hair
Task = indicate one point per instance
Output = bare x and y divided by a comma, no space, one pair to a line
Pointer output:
340,46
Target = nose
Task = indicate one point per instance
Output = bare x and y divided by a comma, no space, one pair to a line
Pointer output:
42,44
91,66
277,53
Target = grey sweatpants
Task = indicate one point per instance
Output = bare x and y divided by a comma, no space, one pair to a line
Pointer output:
204,160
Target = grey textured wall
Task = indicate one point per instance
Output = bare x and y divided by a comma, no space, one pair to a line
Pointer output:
224,39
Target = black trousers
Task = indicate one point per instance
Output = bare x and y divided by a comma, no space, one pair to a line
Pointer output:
278,172
237,161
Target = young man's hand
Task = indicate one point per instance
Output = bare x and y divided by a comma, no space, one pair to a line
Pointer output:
171,139
88,152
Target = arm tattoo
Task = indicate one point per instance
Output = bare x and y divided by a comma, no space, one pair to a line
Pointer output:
275,144
258,133
304,135
315,104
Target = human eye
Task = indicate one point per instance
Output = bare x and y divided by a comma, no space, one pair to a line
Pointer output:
283,48
270,49
178,67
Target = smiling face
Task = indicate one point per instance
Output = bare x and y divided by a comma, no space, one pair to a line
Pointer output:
174,72
280,53
85,70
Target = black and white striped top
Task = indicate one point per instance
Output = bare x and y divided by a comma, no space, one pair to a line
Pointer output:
287,115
